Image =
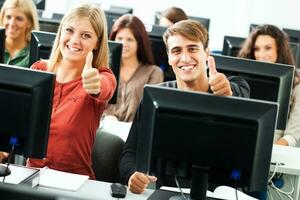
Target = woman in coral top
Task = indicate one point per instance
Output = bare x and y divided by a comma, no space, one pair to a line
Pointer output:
83,87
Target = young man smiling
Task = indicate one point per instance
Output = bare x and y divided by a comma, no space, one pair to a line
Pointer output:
187,46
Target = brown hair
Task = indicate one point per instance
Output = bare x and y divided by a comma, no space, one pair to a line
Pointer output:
191,29
174,14
284,51
144,51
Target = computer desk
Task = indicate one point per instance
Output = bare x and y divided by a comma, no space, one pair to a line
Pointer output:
290,168
96,190
289,156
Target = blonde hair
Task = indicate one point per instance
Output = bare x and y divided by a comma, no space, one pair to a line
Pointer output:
28,8
98,21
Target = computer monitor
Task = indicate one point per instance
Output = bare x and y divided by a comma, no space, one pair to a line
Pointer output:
204,21
115,56
159,51
40,4
114,12
206,138
40,45
49,21
2,44
252,27
268,81
23,192
26,104
295,47
232,45
294,35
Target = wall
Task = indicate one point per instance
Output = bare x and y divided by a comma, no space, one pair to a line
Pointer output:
228,17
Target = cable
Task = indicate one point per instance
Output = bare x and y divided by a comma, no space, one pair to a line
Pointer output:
178,186
8,161
13,142
236,193
280,191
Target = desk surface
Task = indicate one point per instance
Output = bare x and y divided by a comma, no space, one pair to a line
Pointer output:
289,156
97,190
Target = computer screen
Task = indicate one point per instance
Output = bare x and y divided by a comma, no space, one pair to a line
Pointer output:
40,4
114,12
40,45
232,45
49,21
159,51
204,138
2,44
267,81
204,21
295,47
26,106
294,35
115,56
252,27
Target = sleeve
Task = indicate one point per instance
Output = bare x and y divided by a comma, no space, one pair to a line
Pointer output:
39,65
156,76
108,86
128,156
239,87
292,131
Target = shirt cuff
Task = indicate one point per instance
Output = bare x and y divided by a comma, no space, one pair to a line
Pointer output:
290,139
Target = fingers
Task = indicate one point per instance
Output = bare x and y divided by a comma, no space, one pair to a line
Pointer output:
152,178
220,85
212,66
138,182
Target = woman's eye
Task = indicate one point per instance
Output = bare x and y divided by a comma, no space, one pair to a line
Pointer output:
86,36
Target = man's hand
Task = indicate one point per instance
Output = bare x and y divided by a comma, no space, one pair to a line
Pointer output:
90,76
139,181
282,141
218,82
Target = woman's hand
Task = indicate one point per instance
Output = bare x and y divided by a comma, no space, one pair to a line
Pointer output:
91,76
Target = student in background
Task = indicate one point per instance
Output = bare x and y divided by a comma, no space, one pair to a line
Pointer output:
172,15
187,46
269,44
137,66
84,85
19,18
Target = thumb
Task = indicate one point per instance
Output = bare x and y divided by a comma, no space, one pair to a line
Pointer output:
89,61
152,178
212,66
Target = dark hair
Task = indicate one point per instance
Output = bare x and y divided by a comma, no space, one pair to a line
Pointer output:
284,52
191,29
174,14
144,51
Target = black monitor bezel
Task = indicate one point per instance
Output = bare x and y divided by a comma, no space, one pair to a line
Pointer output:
38,86
115,65
36,43
260,114
235,66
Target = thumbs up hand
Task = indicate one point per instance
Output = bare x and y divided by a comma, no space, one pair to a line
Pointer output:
91,76
218,82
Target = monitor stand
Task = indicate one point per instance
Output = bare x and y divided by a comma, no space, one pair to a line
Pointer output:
4,171
198,184
198,187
